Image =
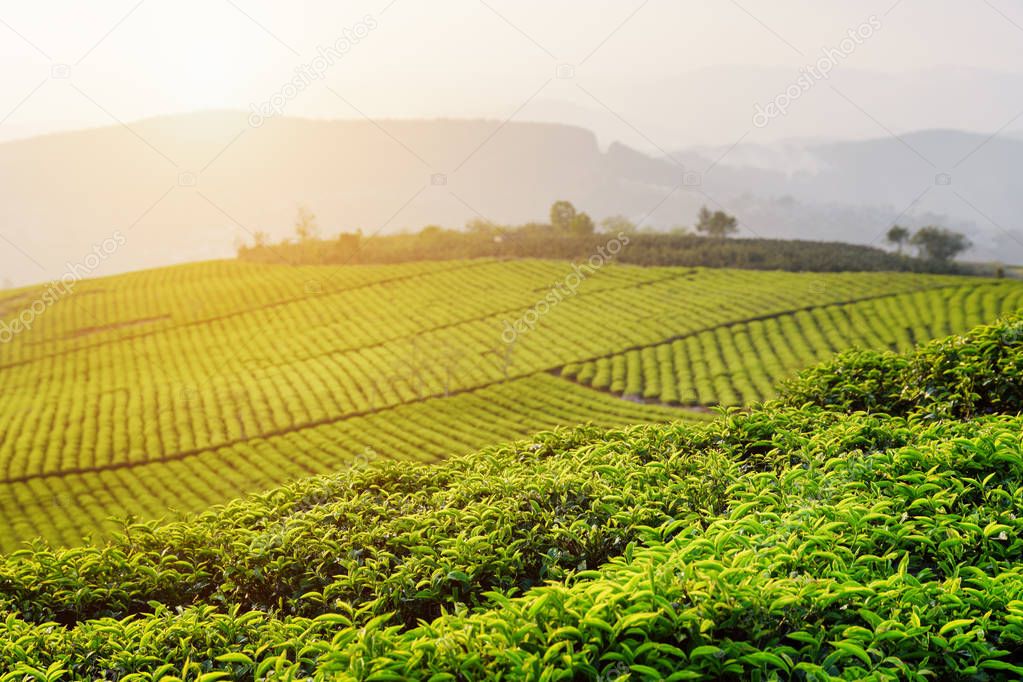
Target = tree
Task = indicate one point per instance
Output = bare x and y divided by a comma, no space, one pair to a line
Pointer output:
306,228
479,226
897,236
940,244
349,242
617,223
703,219
562,215
581,224
260,239
716,224
431,231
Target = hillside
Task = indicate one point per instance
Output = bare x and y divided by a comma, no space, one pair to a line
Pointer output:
541,240
801,539
760,352
511,341
170,390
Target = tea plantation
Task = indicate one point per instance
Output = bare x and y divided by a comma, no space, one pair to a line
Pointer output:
866,524
742,362
160,393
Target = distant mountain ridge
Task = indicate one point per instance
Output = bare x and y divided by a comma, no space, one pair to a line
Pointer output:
191,186
970,181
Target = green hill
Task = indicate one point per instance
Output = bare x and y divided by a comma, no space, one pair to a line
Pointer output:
166,391
867,524
741,362
539,240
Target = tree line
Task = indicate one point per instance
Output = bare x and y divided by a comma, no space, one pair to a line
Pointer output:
572,234
931,242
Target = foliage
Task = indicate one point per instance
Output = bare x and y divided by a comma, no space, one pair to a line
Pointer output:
306,227
67,507
897,235
938,243
617,223
564,218
562,215
958,377
743,362
646,248
415,524
792,541
169,390
582,224
716,224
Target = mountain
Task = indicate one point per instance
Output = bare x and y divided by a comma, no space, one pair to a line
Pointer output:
716,104
186,187
192,186
969,181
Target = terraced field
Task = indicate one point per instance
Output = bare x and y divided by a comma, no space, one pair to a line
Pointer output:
867,525
62,507
179,388
736,364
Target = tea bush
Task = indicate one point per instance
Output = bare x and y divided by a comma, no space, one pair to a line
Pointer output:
795,540
165,391
741,363
957,377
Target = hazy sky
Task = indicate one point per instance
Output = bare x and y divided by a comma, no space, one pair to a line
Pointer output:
658,75
633,61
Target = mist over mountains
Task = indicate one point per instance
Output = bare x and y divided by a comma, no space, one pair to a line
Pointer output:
192,186
715,105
